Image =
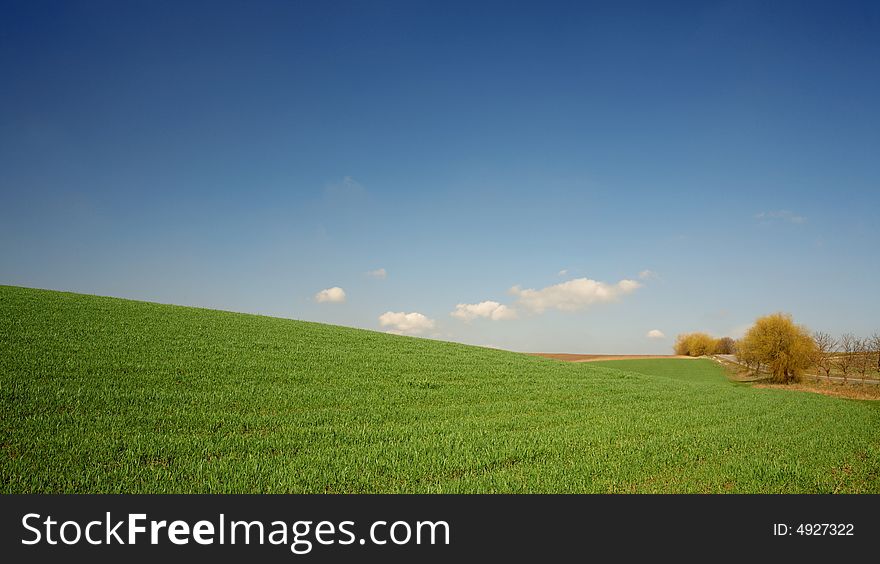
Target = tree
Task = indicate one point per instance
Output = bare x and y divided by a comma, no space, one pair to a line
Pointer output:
843,361
825,347
786,348
862,356
725,345
694,344
681,345
701,344
747,356
875,348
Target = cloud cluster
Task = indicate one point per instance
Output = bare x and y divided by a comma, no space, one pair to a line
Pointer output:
331,295
402,323
572,295
488,309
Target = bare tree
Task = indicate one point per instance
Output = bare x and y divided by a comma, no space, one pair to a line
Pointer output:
725,345
825,347
875,348
861,357
843,360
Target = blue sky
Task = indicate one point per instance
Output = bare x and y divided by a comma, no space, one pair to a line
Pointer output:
248,155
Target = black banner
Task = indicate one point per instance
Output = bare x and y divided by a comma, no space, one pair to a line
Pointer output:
406,528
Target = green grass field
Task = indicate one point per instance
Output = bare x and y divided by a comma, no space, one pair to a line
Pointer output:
108,395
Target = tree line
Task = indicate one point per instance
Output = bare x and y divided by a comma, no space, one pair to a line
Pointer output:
849,354
701,344
776,344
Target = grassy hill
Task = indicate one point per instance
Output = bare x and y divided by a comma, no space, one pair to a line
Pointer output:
109,395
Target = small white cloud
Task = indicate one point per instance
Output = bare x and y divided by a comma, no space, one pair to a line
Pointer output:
401,323
488,309
562,272
331,295
573,294
346,188
656,334
647,274
378,274
780,215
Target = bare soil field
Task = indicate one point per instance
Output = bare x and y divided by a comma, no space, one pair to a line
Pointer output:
594,357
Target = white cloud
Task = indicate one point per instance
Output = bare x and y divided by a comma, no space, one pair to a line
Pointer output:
647,274
346,188
379,274
562,272
781,215
331,295
402,323
488,309
573,294
656,334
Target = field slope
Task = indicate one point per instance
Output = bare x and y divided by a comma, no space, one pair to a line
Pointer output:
109,395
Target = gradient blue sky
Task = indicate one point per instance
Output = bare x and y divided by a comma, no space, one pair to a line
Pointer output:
246,155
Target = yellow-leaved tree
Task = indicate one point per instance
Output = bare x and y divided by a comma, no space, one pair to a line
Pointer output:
787,349
694,344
